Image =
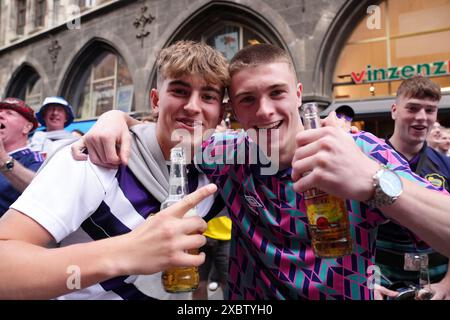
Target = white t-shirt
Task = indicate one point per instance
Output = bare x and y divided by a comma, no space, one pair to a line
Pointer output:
78,202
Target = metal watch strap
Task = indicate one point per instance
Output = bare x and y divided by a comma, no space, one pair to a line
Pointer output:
379,198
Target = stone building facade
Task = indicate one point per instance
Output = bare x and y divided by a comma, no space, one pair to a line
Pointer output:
100,55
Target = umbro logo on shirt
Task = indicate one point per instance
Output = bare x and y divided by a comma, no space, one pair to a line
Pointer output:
253,202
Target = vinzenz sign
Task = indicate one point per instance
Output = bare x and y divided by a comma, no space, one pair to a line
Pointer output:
371,75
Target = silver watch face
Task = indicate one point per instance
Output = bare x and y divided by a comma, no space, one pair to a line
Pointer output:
390,183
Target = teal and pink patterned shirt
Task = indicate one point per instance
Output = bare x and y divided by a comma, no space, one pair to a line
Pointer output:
271,255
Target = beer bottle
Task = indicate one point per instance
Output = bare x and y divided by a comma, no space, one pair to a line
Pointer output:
424,291
179,279
327,215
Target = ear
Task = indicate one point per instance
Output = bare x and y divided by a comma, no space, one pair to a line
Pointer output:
154,100
299,93
27,128
393,111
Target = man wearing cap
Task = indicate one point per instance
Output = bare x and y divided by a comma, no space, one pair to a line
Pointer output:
55,114
345,113
17,162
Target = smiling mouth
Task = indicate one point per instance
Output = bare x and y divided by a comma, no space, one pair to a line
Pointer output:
190,123
420,128
270,126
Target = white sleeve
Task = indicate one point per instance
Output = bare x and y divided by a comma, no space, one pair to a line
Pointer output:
64,193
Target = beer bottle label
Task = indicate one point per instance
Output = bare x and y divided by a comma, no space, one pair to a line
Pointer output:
323,210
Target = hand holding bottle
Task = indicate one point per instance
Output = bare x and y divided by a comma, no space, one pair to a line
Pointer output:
185,278
327,215
163,240
337,164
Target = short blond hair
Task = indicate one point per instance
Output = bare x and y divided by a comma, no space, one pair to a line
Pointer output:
259,54
188,58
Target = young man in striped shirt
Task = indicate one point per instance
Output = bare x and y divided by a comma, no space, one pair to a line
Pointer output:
102,218
414,112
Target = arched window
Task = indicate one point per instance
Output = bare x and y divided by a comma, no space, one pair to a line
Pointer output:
26,85
101,82
228,28
410,37
33,92
229,38
107,86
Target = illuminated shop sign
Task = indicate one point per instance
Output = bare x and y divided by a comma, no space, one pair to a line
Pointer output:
371,75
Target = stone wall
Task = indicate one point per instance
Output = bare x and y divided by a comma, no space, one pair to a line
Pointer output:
312,30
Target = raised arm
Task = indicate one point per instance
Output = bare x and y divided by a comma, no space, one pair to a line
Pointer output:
30,270
339,167
19,177
108,141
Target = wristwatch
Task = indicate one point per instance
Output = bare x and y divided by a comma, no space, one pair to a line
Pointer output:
388,187
8,165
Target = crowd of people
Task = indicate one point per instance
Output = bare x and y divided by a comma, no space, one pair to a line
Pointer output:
95,203
23,148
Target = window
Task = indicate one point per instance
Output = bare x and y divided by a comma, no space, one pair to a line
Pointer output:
33,92
412,39
105,85
39,13
21,16
56,5
85,4
27,86
230,38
